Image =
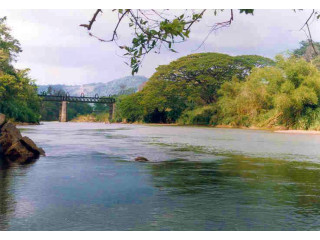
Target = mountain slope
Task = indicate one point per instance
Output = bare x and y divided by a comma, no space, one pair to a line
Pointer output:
125,84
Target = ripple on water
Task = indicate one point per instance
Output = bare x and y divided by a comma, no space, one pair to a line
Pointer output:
205,178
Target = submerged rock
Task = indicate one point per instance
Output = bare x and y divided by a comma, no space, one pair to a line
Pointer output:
15,148
141,159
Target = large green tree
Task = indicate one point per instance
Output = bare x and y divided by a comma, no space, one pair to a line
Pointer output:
192,81
18,92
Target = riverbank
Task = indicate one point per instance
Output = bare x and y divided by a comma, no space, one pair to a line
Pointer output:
24,123
102,117
277,129
312,132
91,119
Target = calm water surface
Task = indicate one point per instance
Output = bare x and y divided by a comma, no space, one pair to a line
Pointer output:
198,179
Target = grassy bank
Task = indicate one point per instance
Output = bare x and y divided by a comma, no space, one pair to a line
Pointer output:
101,117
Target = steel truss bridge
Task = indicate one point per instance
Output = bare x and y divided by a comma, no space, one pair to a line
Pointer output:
64,99
82,98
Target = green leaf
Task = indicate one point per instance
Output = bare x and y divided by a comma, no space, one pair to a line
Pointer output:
247,11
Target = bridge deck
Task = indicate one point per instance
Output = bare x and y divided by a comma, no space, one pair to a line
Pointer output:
57,98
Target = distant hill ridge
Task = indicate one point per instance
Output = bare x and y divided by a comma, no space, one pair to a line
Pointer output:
129,84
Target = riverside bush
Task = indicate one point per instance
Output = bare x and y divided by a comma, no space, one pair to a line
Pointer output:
200,116
286,94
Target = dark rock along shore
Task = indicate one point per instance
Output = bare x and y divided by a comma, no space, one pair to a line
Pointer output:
14,148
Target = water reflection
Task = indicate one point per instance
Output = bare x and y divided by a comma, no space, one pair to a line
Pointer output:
6,197
248,193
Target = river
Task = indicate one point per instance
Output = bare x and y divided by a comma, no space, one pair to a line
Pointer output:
198,178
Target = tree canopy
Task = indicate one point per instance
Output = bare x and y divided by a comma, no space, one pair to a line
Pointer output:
189,82
19,99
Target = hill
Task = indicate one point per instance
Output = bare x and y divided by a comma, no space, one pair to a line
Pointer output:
129,84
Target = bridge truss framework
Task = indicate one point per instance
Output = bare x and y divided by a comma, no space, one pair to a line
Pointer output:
64,99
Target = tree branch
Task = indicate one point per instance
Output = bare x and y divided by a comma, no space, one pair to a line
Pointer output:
92,20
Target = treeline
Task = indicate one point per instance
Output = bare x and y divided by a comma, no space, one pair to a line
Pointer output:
184,85
217,89
18,92
19,99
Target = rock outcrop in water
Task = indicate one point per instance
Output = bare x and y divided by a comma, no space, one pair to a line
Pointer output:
13,147
141,159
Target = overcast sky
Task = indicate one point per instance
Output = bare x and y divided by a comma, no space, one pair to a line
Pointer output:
58,51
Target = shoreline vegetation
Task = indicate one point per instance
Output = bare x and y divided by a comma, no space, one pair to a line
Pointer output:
212,89
101,117
201,89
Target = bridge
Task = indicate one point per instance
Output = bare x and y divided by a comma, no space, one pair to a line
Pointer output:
64,99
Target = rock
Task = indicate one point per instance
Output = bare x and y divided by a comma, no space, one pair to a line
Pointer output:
19,153
16,148
30,145
141,159
9,135
11,131
2,119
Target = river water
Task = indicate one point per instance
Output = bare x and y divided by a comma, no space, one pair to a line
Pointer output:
197,179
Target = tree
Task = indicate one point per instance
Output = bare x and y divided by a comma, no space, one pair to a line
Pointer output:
130,107
286,94
153,29
192,81
306,50
8,44
18,92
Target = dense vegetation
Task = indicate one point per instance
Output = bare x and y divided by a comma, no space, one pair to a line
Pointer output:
18,93
236,91
205,88
185,84
287,94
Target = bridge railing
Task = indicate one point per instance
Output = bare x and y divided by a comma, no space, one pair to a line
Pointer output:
82,98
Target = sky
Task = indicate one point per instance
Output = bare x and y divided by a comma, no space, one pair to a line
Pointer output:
59,51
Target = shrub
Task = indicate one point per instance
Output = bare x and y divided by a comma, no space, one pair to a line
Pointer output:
200,116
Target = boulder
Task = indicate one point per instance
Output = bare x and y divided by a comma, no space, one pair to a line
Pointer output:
16,148
9,135
141,159
17,152
31,146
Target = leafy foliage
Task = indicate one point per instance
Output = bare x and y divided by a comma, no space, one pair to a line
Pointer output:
18,92
130,108
308,50
286,94
200,116
301,51
189,82
154,28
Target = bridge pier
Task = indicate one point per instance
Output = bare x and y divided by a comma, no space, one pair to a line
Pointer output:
112,108
63,112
